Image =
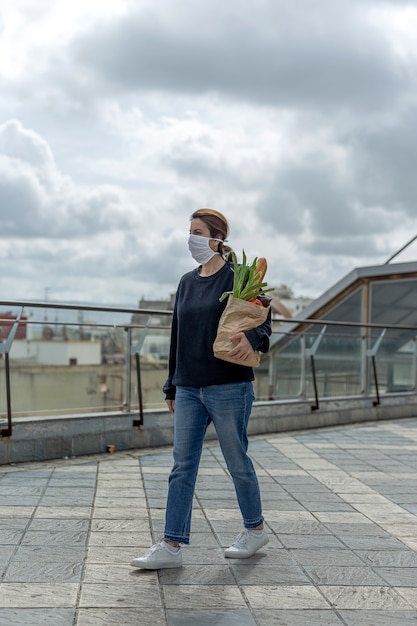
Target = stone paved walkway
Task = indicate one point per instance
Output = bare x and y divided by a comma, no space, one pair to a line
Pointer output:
341,511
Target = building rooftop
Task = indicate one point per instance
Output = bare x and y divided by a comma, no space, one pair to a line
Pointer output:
380,294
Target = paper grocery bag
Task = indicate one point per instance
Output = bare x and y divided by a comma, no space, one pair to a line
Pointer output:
238,316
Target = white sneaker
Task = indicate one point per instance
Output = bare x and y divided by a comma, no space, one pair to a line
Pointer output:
246,545
158,557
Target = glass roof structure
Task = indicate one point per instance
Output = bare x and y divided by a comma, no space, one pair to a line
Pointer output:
359,334
382,294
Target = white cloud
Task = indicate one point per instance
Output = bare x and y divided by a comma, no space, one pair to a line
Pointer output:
119,118
37,200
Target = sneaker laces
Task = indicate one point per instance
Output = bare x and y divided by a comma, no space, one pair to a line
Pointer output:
241,539
156,548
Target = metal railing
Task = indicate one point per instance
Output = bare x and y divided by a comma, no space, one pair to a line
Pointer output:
132,347
369,347
129,372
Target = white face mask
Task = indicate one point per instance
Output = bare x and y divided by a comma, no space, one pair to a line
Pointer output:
200,248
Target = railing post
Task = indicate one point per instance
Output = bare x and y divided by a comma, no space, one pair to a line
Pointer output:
5,349
364,366
303,385
139,422
311,352
6,432
377,400
371,353
128,402
136,351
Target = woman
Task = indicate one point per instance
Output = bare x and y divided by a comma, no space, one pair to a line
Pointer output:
201,388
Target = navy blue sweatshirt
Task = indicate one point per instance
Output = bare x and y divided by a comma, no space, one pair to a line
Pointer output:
195,319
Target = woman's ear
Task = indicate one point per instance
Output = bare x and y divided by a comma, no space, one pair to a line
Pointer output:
218,236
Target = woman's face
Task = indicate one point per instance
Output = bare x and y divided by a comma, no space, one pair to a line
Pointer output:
200,228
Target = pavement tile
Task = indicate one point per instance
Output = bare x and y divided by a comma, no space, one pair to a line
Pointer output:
49,538
297,617
340,507
120,555
411,508
401,530
326,557
68,482
366,542
409,594
337,517
337,575
196,555
283,515
116,502
285,597
299,528
25,501
328,505
59,525
37,617
60,499
363,530
21,491
123,513
410,542
38,595
119,573
270,574
66,512
389,558
49,554
13,512
398,576
311,541
6,553
354,597
125,594
218,617
11,537
120,525
120,617
196,575
379,618
25,475
203,597
118,539
20,572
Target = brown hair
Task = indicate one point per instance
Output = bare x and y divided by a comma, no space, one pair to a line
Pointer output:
217,225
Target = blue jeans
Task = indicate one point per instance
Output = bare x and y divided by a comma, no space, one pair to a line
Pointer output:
229,407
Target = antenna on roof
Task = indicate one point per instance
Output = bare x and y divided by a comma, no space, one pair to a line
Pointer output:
401,249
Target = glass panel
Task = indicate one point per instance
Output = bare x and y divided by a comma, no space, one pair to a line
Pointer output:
287,381
66,369
74,366
338,367
395,364
394,302
349,310
153,365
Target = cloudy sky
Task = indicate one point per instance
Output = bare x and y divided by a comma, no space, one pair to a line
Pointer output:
119,118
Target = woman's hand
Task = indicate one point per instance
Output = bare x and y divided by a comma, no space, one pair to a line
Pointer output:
243,349
170,405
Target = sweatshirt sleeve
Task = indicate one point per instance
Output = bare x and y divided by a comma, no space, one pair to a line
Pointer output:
168,388
259,337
